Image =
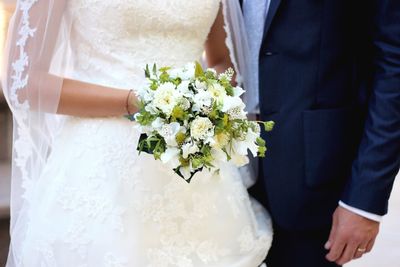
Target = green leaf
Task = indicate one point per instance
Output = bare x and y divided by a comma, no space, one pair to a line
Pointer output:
145,118
164,77
178,113
147,71
229,90
153,144
180,138
197,163
155,69
198,70
262,149
214,114
260,141
269,126
165,69
210,75
228,157
154,85
184,162
177,81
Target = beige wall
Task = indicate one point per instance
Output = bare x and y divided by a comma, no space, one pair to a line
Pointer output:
6,9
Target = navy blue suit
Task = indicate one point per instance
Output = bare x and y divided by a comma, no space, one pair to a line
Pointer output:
330,79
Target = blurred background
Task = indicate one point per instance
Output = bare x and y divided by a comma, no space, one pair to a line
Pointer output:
6,9
385,254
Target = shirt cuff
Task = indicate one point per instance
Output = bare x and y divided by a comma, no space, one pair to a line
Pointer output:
362,213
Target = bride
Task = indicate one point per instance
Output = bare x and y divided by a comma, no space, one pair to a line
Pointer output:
81,194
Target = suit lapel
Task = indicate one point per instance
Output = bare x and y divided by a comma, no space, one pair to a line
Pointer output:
274,5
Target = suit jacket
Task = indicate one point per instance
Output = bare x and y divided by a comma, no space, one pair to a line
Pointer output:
330,79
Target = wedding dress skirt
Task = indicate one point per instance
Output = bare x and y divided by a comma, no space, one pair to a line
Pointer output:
99,203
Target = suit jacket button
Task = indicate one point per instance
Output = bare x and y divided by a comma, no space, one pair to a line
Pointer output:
269,53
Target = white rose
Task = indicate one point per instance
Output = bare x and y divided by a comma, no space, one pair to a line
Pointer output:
165,98
184,103
201,128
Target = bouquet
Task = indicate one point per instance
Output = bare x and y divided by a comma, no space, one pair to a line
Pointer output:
192,119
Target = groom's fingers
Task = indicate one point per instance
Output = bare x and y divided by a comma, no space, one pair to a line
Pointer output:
348,254
370,245
329,243
332,234
358,254
336,250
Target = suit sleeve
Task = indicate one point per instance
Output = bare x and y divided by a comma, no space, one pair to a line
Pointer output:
378,160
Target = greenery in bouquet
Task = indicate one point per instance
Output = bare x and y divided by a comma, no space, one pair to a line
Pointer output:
192,119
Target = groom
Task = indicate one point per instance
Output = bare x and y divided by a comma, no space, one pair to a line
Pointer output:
330,79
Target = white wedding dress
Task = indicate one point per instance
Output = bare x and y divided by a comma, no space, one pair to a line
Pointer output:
100,203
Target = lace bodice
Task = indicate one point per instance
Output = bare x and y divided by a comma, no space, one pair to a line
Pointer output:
116,39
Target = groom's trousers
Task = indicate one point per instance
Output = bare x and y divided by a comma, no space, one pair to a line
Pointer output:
294,248
299,249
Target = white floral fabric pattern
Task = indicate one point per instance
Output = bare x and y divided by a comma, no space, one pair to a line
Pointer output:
102,204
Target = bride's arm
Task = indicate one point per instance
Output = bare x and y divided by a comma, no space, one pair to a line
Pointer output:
217,53
84,99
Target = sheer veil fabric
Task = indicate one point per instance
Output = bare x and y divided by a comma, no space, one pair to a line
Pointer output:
38,30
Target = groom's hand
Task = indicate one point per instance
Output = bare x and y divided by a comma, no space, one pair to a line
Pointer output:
351,236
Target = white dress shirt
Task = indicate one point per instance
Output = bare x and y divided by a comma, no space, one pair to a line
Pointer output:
255,14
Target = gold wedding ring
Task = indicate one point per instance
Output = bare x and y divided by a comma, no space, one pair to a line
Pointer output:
361,250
